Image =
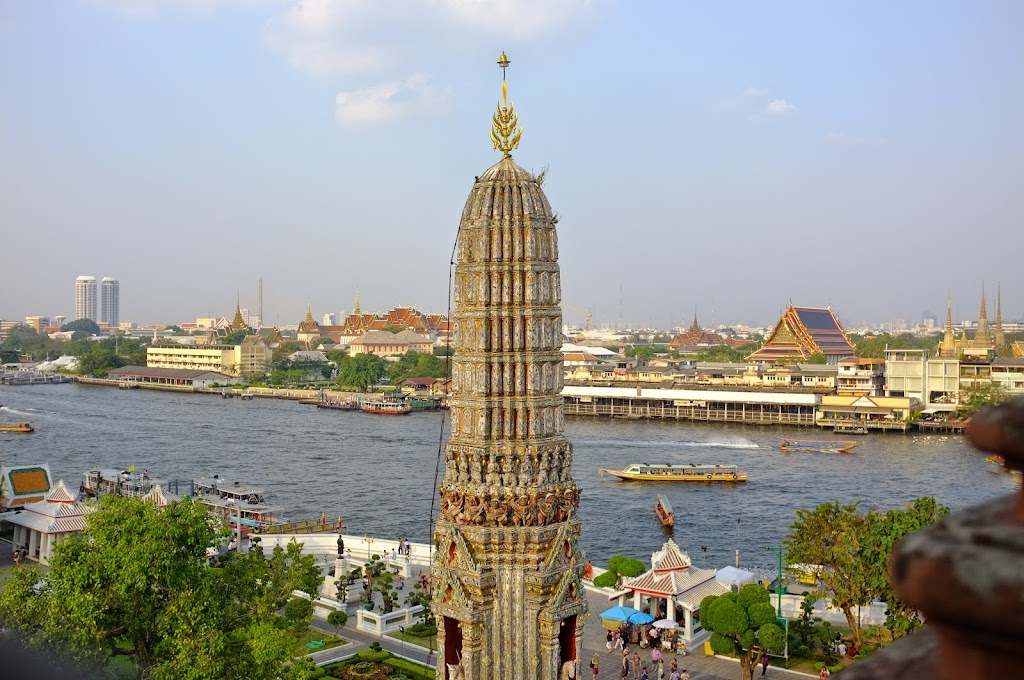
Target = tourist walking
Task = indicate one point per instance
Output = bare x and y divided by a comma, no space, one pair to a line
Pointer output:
594,664
764,663
824,674
609,641
619,642
625,665
643,674
17,556
661,669
636,666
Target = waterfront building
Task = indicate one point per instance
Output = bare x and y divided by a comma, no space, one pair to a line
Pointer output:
37,323
171,377
110,302
250,356
85,297
859,376
388,344
932,380
874,413
802,332
1008,374
21,484
507,569
43,524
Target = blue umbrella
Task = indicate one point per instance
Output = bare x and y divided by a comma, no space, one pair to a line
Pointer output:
640,617
619,613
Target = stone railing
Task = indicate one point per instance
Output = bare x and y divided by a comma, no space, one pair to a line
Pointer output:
382,624
966,575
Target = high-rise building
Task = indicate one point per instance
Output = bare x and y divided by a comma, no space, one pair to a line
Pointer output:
37,323
85,298
110,310
506,576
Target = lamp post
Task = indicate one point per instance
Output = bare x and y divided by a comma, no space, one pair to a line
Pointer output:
369,542
778,583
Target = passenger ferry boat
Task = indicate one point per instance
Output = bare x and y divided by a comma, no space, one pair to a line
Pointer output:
645,472
389,406
663,509
23,428
818,445
228,500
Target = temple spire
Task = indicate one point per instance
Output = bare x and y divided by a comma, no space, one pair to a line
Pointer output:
356,311
982,338
238,323
695,327
948,346
1000,338
504,133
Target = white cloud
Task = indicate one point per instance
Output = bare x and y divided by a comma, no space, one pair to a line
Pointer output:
779,107
754,92
390,101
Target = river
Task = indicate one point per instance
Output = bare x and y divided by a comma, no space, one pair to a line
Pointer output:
377,472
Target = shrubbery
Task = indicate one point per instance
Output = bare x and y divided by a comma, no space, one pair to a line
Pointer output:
606,580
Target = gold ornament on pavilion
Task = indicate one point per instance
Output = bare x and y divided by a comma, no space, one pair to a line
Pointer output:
504,132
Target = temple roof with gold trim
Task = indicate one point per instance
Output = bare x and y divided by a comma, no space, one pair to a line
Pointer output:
803,331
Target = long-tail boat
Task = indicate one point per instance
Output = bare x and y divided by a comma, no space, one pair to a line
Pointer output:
818,445
24,428
663,509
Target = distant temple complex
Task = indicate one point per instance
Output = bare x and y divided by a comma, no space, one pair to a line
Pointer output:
507,569
802,332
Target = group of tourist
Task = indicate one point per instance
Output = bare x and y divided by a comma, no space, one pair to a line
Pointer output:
20,554
645,636
633,667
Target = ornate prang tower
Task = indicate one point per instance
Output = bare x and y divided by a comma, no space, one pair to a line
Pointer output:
948,346
982,337
1000,338
506,573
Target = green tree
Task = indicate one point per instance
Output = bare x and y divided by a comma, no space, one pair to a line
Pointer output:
978,396
235,338
26,340
361,371
874,346
86,325
723,353
817,358
136,578
743,624
417,365
338,619
886,530
833,537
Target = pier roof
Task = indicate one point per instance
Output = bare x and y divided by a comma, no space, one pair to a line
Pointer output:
785,398
150,372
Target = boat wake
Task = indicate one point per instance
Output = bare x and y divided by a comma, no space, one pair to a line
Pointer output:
651,444
14,411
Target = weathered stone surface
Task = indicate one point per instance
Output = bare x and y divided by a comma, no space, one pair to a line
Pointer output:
507,569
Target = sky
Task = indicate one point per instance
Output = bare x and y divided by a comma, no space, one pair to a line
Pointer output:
726,156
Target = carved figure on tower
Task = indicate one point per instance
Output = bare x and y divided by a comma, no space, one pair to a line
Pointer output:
507,565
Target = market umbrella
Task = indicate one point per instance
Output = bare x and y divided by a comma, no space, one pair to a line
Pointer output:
668,624
640,617
612,618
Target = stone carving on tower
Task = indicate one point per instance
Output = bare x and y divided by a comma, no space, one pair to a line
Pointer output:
507,569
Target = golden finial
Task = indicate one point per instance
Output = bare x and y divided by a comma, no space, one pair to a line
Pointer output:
504,134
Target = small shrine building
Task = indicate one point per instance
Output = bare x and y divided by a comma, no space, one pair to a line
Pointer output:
41,525
673,588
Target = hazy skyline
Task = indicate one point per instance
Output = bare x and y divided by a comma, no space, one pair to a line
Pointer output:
727,155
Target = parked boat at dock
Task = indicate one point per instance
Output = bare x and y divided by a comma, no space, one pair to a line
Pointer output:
818,445
850,428
231,500
663,509
23,428
112,482
338,404
391,406
644,472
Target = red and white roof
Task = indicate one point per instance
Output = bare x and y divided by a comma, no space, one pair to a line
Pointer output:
60,512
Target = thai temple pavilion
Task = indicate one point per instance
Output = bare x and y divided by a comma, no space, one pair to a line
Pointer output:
506,573
802,332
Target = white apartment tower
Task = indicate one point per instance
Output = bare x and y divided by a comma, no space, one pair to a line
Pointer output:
85,297
110,296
